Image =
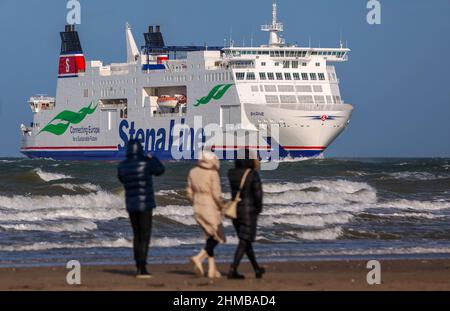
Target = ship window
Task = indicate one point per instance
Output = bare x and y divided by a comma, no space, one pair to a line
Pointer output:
263,63
319,99
313,76
272,99
270,88
251,76
329,100
271,76
86,93
318,88
240,75
305,76
285,88
255,88
305,99
304,88
286,64
304,64
317,64
296,76
279,76
287,76
321,76
262,76
277,64
295,64
288,99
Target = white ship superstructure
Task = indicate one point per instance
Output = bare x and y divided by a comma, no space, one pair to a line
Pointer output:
98,107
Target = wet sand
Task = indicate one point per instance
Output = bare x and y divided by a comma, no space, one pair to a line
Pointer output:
290,276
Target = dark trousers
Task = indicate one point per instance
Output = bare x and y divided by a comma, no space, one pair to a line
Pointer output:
244,247
142,229
211,244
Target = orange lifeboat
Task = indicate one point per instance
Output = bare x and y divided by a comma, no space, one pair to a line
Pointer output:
167,101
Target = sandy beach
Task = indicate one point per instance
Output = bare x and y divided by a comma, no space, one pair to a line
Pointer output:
292,276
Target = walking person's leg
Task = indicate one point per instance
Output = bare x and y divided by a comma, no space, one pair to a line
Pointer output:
259,271
199,259
211,244
240,251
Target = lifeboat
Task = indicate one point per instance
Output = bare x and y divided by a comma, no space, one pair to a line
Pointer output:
167,101
181,99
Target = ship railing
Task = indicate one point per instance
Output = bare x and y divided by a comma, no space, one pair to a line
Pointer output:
313,107
168,114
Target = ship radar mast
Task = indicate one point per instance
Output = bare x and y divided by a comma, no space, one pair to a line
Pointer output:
274,29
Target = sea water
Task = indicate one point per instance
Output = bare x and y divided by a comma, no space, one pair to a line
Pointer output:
54,211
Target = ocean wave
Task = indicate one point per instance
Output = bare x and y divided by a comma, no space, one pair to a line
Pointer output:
99,206
118,243
423,176
317,221
323,234
74,187
77,226
323,192
47,176
415,205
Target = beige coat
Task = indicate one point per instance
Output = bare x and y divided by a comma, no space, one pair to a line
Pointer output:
205,193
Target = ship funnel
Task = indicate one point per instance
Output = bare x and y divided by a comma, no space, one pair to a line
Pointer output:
71,60
154,39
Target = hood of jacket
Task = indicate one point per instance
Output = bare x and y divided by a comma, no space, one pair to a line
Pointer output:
134,149
208,160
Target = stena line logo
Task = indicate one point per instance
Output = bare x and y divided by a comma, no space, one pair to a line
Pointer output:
216,93
66,118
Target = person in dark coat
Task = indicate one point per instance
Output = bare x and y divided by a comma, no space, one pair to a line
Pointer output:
135,173
248,210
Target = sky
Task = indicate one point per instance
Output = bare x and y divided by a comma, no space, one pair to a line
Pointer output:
397,76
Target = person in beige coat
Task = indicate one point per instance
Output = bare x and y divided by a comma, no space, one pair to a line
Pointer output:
205,193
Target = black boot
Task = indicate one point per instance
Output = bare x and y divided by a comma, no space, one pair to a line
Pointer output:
142,272
259,272
234,275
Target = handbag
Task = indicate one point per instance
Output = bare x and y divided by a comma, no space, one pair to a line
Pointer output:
231,207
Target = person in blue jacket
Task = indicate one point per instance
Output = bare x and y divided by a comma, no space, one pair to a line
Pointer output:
136,175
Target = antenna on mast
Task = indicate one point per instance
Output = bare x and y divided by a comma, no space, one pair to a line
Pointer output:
274,28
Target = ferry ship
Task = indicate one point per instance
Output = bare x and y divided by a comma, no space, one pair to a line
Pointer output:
285,89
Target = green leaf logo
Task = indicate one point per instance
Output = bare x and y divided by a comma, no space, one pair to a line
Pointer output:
68,117
216,93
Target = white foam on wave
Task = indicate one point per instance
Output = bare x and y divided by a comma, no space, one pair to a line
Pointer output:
78,226
47,176
118,243
75,187
328,191
417,176
100,206
385,251
416,205
323,234
167,192
315,221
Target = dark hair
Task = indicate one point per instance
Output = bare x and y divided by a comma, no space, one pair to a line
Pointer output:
245,164
134,149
